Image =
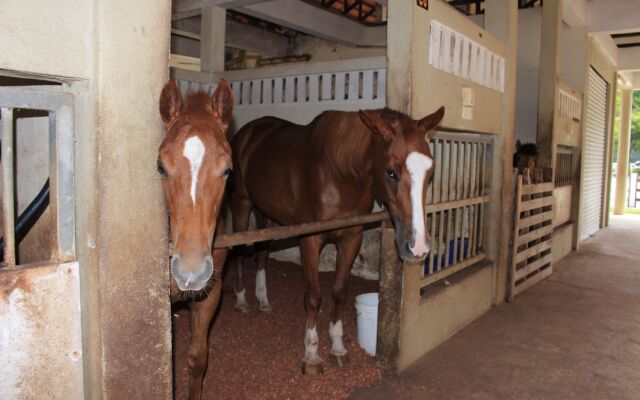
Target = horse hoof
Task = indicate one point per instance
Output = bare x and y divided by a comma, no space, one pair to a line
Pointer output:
339,361
243,308
312,369
266,309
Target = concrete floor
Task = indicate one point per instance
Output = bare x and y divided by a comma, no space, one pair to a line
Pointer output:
576,335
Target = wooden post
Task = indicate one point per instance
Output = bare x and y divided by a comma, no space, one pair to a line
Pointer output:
501,19
547,87
390,300
212,39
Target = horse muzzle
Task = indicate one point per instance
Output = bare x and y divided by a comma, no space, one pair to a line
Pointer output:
191,275
412,249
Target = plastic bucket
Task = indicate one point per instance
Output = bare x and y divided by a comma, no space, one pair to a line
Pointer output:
367,321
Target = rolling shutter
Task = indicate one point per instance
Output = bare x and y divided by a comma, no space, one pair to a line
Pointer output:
593,156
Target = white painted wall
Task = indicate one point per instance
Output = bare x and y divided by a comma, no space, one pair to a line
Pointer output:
40,37
573,56
528,75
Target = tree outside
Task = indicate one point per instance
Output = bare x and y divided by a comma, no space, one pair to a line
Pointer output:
635,128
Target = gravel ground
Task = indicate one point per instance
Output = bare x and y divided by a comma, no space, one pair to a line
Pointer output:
257,355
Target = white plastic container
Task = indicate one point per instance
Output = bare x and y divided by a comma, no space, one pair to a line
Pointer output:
367,321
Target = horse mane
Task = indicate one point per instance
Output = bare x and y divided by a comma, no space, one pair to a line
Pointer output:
342,140
528,149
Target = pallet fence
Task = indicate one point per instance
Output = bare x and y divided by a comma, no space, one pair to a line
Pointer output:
531,258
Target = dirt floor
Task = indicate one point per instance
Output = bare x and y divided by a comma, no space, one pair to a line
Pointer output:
575,335
257,355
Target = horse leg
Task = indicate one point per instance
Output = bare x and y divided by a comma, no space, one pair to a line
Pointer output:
201,314
310,254
240,213
347,249
262,253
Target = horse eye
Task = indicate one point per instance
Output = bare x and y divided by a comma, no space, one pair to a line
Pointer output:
391,173
161,169
227,172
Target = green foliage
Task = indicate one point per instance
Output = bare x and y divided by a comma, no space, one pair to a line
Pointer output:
635,128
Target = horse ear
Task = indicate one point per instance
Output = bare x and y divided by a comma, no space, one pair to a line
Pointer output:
222,102
431,121
518,145
376,124
170,102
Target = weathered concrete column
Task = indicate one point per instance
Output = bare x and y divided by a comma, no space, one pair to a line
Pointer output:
212,39
624,142
549,67
501,19
130,69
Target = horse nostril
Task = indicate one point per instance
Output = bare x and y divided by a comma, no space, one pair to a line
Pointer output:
407,247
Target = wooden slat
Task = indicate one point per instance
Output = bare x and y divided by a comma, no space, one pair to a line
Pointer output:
427,280
314,88
267,93
456,204
532,251
533,235
301,89
535,219
326,87
537,188
289,89
532,267
531,281
536,203
339,94
278,95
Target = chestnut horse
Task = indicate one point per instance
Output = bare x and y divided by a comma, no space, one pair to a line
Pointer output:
334,167
195,160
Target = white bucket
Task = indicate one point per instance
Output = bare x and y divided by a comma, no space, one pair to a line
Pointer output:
367,321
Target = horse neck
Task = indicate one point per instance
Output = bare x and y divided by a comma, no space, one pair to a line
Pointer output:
377,154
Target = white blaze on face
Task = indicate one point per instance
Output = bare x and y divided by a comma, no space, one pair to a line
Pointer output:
194,152
418,164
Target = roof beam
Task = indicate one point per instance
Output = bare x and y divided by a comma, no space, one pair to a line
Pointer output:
180,6
315,21
629,58
256,40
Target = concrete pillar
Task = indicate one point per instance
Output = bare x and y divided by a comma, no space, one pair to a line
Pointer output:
131,67
549,68
212,33
501,19
624,142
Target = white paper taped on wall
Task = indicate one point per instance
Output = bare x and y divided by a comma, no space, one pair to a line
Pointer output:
456,54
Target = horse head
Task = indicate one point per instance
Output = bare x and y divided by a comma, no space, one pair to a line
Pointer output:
194,161
402,174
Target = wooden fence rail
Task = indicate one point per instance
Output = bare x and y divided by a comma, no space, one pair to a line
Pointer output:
531,258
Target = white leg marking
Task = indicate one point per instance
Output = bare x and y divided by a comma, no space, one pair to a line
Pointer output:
241,300
311,346
194,152
418,164
335,332
261,289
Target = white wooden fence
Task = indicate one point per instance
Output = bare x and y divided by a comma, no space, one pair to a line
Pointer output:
297,92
